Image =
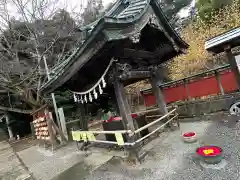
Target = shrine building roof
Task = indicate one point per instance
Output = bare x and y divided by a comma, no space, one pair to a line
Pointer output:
229,38
134,31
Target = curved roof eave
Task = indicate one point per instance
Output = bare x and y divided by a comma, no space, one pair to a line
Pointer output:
155,4
71,63
46,88
93,24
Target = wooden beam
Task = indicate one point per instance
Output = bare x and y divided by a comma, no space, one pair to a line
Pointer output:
39,109
135,75
2,108
128,53
162,50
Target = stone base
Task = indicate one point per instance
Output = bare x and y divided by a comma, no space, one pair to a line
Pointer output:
11,139
218,166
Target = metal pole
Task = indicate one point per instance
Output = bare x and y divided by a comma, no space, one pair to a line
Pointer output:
52,94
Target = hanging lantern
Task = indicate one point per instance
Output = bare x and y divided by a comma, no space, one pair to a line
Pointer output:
104,83
100,89
95,94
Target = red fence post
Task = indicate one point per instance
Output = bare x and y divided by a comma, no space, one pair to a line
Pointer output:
217,75
187,90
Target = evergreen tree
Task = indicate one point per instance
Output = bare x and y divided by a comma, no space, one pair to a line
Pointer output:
206,8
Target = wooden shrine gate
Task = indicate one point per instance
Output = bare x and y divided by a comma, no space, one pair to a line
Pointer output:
124,46
134,142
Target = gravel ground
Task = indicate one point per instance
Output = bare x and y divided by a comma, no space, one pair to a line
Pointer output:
172,159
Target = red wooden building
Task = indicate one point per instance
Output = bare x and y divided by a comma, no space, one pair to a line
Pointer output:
216,81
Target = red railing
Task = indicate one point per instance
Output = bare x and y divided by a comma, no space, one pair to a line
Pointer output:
195,88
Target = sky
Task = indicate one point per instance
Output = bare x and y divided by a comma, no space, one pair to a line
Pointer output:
185,12
75,8
72,6
76,4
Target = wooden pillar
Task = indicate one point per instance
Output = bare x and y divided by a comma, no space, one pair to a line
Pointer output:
50,128
123,105
134,152
63,122
83,117
10,133
217,75
158,93
233,64
187,90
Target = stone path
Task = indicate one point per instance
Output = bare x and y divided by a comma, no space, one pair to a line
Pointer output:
45,164
10,166
62,164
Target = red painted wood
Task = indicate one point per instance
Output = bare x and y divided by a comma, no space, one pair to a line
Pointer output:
173,94
198,88
149,99
228,81
203,87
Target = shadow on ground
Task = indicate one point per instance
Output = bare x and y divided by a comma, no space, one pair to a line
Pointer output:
77,172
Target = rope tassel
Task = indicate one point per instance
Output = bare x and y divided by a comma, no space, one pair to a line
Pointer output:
95,94
100,89
81,99
104,83
90,97
92,92
78,100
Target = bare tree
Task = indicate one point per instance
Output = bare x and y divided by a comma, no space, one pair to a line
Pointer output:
42,30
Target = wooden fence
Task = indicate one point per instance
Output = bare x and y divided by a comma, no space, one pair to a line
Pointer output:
216,81
91,136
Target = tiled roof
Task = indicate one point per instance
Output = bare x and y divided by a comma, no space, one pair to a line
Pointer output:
214,44
133,8
128,9
123,9
124,13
